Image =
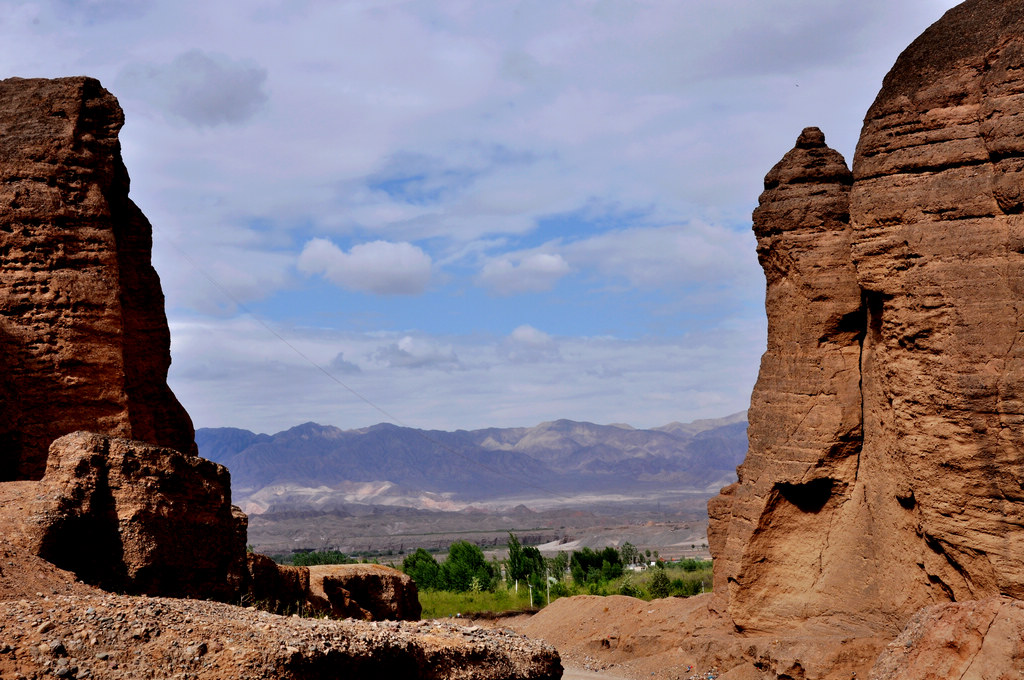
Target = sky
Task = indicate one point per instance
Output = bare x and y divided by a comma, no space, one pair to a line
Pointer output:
452,214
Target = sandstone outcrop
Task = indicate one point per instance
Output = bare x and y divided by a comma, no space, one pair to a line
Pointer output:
886,461
84,343
973,639
368,592
131,517
788,485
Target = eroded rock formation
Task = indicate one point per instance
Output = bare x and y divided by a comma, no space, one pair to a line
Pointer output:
886,461
972,639
131,517
84,343
369,592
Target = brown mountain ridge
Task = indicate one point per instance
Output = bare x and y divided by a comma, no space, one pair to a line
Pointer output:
563,457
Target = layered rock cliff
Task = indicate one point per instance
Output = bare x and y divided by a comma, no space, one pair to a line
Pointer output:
886,461
84,343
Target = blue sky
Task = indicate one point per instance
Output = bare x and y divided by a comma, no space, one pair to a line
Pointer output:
469,213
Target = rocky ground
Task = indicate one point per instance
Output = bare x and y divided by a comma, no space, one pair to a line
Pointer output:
54,626
101,635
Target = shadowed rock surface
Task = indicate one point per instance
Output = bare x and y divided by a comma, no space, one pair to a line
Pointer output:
84,343
131,517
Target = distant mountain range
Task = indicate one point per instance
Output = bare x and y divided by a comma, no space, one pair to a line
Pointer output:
323,467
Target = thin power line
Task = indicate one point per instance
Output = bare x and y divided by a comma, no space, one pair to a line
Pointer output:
387,414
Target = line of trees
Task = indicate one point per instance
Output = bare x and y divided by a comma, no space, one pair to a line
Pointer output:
465,569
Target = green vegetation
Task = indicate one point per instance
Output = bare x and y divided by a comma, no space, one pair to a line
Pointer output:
443,603
465,583
465,570
309,559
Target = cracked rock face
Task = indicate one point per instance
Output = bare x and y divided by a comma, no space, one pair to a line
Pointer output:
886,461
84,343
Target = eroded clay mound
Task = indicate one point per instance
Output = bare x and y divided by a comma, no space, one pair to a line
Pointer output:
84,343
973,639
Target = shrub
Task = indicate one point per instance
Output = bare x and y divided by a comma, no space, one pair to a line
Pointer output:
659,585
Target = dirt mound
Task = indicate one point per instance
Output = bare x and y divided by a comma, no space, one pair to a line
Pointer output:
27,576
675,638
976,639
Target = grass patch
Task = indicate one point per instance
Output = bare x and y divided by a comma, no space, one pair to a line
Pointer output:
444,604
684,580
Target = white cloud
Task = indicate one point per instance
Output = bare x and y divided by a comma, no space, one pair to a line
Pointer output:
412,352
234,372
527,344
200,88
653,257
529,273
378,267
340,365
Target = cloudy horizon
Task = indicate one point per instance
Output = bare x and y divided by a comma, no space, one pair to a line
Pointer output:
451,214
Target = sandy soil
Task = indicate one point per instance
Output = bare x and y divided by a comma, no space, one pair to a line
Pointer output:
620,638
578,674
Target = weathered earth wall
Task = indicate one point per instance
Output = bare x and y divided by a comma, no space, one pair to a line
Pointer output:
84,343
886,461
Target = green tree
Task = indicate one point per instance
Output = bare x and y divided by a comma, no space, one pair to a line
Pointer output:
558,564
516,564
308,559
465,561
659,585
423,569
630,553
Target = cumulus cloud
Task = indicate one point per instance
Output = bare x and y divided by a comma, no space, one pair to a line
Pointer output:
379,267
657,256
200,88
527,344
340,365
526,273
411,352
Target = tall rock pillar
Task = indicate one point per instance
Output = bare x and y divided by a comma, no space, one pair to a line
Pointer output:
767,531
84,343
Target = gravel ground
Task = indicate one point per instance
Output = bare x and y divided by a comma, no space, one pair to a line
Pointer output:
121,637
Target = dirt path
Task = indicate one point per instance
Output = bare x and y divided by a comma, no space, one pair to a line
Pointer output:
578,674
